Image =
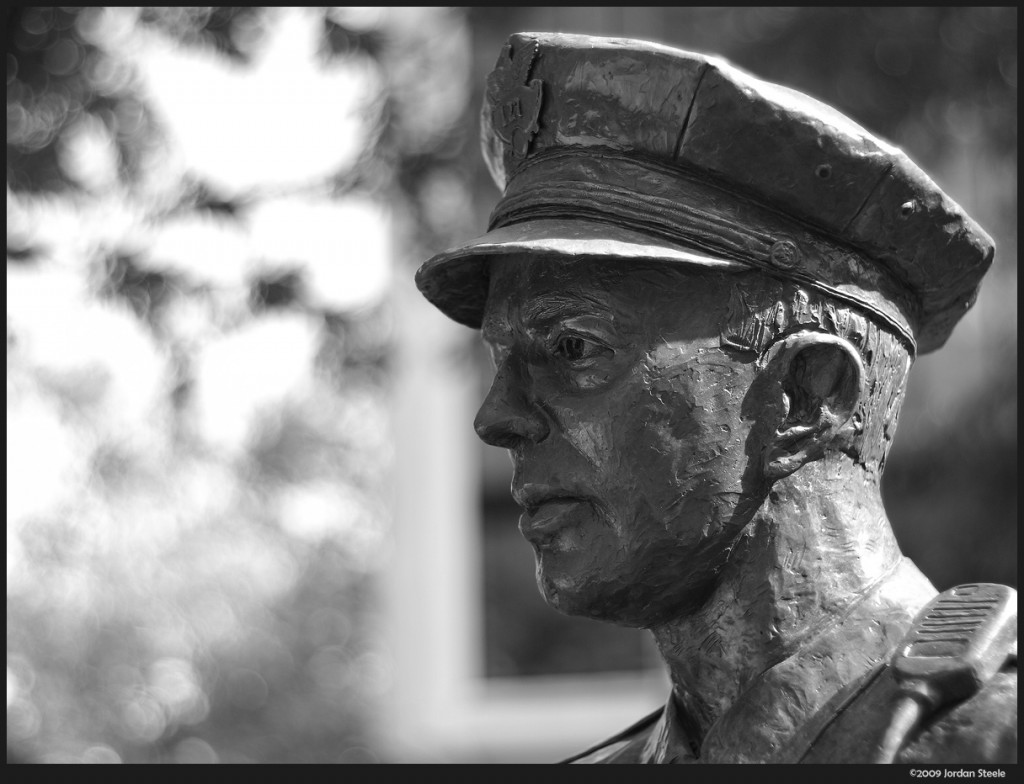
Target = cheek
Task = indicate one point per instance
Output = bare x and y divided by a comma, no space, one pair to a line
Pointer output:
602,429
590,437
693,427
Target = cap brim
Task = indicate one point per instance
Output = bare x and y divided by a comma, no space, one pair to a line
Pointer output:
455,281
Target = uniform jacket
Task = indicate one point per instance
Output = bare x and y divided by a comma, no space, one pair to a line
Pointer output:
832,701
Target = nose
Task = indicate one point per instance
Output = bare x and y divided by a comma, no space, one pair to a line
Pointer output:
507,417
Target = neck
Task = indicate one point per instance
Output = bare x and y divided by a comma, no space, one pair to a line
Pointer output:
818,544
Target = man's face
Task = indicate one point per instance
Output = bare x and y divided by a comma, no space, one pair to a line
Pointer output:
622,416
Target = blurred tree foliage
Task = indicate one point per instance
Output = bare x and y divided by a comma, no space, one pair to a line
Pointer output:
198,335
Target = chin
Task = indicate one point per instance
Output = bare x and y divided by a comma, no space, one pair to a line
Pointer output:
622,607
632,604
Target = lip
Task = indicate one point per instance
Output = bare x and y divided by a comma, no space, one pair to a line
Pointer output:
532,496
544,516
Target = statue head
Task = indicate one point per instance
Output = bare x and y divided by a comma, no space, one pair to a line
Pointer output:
696,288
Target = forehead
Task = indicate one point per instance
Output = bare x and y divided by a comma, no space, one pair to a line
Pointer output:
525,289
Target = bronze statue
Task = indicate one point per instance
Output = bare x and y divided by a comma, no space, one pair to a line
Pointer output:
702,294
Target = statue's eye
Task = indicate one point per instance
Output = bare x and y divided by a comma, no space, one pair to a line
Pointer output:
571,347
574,348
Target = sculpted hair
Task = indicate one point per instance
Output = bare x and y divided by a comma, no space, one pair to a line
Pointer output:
763,310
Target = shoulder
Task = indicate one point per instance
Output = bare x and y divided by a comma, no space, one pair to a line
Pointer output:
982,729
958,655
979,730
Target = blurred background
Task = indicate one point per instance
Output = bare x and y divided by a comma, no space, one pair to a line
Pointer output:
247,517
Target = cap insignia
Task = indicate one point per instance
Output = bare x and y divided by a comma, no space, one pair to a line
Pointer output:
515,98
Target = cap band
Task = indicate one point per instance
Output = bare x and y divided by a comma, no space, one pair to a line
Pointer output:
676,205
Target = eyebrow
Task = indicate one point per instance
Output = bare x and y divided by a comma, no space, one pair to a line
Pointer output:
543,309
553,306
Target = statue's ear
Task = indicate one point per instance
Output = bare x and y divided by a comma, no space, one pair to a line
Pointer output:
816,382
